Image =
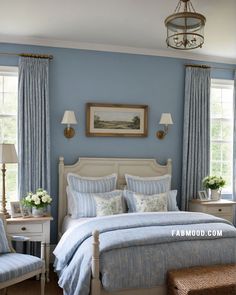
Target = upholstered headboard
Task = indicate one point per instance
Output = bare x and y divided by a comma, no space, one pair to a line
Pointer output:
96,167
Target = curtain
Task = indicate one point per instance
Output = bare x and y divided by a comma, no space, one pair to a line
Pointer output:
196,132
234,149
33,125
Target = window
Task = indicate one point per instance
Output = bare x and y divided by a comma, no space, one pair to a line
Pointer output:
221,147
8,124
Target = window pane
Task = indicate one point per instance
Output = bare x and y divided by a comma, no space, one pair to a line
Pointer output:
215,168
10,83
9,103
216,151
216,129
227,152
227,130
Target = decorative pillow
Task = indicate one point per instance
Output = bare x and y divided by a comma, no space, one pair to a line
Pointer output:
92,184
84,205
4,246
109,206
151,203
171,200
148,185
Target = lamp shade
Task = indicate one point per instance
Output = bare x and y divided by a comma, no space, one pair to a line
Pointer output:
166,119
69,118
8,153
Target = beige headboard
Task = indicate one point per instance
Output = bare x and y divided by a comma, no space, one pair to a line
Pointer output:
95,167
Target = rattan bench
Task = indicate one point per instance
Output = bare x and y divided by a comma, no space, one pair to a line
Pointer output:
217,280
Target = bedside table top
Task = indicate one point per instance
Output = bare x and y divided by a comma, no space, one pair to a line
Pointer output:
29,219
210,202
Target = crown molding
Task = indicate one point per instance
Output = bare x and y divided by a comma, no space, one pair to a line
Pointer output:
115,48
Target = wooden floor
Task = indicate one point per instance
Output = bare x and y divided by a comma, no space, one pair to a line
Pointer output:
32,287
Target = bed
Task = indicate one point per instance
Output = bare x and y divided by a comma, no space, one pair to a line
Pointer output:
93,255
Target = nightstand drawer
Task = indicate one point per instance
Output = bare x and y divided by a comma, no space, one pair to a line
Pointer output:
219,209
25,228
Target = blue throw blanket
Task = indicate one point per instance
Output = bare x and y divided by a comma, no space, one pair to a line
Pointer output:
149,243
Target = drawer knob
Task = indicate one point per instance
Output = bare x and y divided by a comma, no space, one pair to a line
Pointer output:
219,210
23,228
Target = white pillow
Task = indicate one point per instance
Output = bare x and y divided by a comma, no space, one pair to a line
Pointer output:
109,206
148,185
92,184
151,203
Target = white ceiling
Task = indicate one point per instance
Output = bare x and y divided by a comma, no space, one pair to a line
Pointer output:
135,26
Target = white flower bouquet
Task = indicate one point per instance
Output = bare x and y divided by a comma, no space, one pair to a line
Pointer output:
213,182
39,199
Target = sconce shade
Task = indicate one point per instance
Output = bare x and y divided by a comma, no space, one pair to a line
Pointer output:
8,153
166,119
69,118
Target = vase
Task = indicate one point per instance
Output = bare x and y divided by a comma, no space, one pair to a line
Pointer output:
215,194
37,212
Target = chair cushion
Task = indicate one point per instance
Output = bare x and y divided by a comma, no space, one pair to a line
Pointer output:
4,246
14,265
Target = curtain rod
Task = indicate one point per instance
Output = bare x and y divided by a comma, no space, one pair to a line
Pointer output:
208,67
46,56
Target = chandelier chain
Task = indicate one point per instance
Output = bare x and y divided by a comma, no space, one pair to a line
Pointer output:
177,8
191,6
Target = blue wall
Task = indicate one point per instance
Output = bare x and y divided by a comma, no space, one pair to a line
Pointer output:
80,76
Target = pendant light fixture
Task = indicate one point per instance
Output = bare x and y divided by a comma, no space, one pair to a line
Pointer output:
185,27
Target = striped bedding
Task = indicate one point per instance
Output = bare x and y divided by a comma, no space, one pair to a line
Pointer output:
137,249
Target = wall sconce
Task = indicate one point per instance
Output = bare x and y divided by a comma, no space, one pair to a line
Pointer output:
165,120
68,119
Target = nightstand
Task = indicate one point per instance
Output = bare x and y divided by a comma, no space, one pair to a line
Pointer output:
36,229
221,208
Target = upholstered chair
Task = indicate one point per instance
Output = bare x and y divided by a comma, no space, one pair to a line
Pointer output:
15,267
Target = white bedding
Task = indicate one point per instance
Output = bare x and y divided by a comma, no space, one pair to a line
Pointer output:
69,222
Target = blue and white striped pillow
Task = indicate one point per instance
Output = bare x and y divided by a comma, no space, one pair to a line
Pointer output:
131,200
148,185
92,184
4,246
84,204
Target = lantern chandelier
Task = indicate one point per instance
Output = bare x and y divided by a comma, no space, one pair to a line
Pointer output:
185,27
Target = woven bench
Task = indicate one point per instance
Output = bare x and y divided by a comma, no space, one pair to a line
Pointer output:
209,280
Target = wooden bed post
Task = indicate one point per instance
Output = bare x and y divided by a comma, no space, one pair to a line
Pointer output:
61,197
95,284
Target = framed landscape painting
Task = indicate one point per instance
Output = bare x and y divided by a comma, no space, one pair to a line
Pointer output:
116,120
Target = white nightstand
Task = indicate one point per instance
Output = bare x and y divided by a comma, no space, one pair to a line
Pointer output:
37,229
221,208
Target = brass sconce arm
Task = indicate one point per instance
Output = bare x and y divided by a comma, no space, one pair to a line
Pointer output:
162,133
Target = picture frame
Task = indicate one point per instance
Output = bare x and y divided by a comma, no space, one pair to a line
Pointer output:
116,120
25,211
203,196
15,209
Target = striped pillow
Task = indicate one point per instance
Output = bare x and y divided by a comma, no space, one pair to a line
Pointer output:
84,204
131,201
92,184
4,246
148,185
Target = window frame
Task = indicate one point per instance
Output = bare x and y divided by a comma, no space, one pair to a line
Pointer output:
227,84
14,72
